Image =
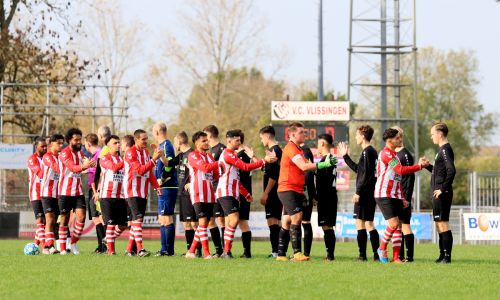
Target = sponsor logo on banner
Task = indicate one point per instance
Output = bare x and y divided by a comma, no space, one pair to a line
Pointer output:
482,226
15,156
310,110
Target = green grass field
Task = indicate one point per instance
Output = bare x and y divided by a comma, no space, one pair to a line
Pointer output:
474,274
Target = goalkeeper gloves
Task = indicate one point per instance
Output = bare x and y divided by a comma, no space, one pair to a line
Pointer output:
329,162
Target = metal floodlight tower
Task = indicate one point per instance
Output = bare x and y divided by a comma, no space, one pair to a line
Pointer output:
376,42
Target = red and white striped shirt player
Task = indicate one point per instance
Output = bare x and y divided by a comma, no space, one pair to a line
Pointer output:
111,182
35,172
138,173
389,173
203,171
50,179
229,181
71,166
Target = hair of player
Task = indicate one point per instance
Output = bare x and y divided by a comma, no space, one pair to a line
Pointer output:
269,130
390,133
327,138
366,131
161,127
56,137
138,133
128,140
38,139
441,127
294,126
104,131
197,135
182,137
71,132
212,129
399,129
111,137
234,133
92,139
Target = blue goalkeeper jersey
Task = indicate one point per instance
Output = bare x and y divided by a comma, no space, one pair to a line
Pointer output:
167,175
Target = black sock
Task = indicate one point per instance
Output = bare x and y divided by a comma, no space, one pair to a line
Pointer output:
283,240
441,246
447,242
308,238
375,241
296,238
410,245
330,240
189,234
215,233
274,236
246,238
99,229
402,249
222,229
362,239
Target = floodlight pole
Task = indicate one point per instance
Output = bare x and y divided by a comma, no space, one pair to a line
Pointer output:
321,96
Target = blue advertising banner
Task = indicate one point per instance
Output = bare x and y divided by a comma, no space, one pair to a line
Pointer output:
421,224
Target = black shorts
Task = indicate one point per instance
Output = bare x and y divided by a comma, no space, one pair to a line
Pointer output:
327,210
38,208
441,207
218,210
406,214
137,207
273,207
390,207
244,209
93,212
365,208
69,203
114,211
292,202
203,210
230,205
50,206
307,208
186,209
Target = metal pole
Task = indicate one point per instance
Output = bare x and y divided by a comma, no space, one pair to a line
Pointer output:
1,113
383,64
47,103
349,50
415,101
397,88
126,109
321,95
93,109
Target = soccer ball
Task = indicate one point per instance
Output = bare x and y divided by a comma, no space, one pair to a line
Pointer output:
31,249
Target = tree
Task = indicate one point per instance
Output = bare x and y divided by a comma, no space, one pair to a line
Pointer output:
115,45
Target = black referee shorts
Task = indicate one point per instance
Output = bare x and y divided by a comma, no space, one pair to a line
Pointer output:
93,212
292,202
365,208
327,210
244,209
406,214
441,207
390,207
186,209
273,207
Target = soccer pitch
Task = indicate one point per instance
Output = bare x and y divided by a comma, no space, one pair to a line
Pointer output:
474,274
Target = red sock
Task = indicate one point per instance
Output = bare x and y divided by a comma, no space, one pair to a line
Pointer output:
63,234
195,242
110,238
388,232
203,234
138,234
396,244
77,232
118,231
40,234
228,238
49,239
131,240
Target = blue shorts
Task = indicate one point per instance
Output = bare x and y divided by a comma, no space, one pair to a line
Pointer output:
166,202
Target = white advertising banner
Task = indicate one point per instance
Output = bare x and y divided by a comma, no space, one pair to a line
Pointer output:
15,156
310,110
482,226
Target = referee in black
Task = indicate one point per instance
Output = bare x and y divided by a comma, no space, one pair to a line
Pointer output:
443,173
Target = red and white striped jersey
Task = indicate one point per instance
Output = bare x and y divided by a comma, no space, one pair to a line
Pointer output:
230,166
35,171
50,179
138,173
203,171
111,181
70,165
389,175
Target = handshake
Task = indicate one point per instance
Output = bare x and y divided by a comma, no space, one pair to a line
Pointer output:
330,161
423,162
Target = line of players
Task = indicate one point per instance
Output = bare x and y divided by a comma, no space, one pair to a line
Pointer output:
219,186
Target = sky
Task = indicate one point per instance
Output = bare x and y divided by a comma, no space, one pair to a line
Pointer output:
292,25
